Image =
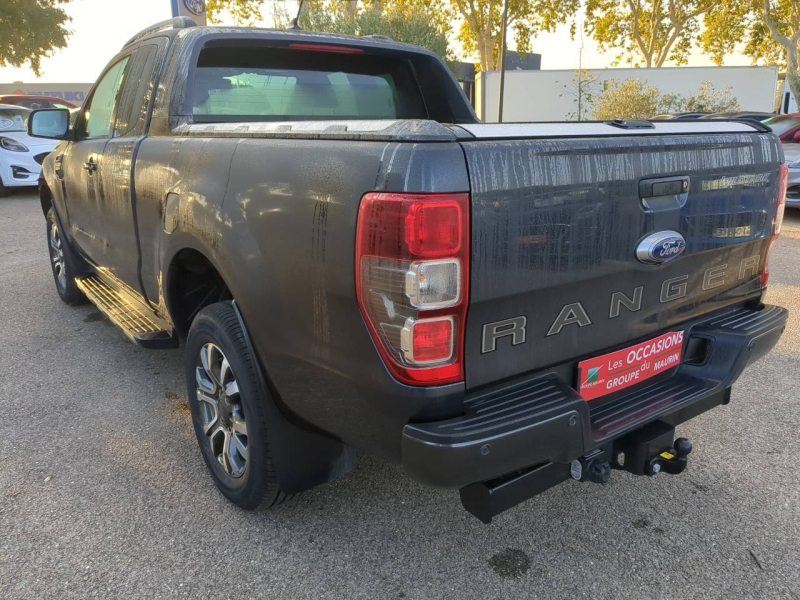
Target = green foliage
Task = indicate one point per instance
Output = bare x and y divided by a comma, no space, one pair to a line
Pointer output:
653,31
631,99
635,99
418,22
30,30
770,30
582,89
244,12
481,28
707,99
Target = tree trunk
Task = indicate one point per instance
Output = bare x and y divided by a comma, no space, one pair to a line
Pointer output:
790,44
792,74
350,8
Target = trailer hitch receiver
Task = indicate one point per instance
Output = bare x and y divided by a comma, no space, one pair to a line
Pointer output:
650,450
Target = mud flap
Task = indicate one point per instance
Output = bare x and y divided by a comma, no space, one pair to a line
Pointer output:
303,458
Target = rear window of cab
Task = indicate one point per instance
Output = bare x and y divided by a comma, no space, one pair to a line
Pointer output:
302,82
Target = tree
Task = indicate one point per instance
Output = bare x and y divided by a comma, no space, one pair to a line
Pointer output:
770,30
635,99
655,30
418,22
631,99
481,27
582,89
30,30
244,12
709,100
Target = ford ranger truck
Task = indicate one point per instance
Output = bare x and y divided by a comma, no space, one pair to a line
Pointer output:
353,261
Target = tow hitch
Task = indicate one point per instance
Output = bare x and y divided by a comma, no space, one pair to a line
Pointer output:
646,451
650,450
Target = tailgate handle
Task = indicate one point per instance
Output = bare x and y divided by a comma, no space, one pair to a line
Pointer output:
664,193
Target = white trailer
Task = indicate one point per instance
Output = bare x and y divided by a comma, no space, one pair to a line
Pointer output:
788,103
545,95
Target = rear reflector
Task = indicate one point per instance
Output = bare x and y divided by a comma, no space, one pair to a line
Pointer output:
412,273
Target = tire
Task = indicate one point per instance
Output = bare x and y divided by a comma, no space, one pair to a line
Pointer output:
61,263
4,191
219,409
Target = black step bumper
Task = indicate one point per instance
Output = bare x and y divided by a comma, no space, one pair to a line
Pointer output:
542,419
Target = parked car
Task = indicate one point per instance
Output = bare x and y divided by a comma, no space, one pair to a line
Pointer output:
21,155
792,153
786,127
34,102
355,261
684,116
750,116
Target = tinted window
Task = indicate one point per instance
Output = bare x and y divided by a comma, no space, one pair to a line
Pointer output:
137,91
100,111
270,84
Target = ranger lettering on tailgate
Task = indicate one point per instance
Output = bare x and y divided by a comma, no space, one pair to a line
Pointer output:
672,289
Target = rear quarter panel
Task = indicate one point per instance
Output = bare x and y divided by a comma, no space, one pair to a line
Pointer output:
278,220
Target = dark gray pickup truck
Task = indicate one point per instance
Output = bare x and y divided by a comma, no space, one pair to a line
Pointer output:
355,262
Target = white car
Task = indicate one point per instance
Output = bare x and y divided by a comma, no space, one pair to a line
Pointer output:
792,154
21,155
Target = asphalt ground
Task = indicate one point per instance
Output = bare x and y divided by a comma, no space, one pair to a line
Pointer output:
103,492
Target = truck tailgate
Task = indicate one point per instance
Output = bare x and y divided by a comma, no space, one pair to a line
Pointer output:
556,224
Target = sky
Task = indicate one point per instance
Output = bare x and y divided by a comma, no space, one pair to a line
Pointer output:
101,27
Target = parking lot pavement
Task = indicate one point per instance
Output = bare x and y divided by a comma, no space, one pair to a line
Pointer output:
103,492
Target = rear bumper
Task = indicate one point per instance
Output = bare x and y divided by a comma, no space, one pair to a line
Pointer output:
542,419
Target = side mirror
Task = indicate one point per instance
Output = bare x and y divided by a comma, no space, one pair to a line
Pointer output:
50,123
796,138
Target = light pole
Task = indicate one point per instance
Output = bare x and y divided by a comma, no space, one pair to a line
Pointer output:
503,62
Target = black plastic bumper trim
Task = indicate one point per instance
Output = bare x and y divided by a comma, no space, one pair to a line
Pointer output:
542,419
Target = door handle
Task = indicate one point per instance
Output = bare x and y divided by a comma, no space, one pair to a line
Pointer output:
90,165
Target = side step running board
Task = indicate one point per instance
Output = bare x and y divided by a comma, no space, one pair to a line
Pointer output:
128,312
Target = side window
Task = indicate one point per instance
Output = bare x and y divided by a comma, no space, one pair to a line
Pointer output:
137,91
100,112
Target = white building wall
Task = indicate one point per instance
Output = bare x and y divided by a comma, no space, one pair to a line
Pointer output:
540,95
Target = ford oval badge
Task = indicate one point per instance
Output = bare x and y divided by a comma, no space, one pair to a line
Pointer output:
660,247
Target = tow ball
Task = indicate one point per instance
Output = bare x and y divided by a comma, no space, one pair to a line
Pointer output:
650,450
672,461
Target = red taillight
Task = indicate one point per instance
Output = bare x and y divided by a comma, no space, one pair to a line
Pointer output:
777,222
412,273
428,340
326,48
434,230
780,208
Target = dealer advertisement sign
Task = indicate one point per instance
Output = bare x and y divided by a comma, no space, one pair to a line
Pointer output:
196,9
618,370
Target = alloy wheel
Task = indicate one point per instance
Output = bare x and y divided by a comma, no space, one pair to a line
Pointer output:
221,411
57,256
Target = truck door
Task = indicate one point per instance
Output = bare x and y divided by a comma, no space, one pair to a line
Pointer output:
82,164
118,205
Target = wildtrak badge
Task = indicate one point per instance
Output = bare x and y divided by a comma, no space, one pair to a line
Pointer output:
574,313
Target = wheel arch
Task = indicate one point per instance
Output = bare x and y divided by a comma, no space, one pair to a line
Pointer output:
192,281
45,197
